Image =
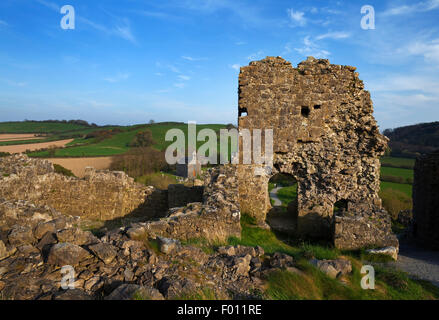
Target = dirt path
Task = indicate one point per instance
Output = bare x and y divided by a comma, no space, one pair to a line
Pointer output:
34,146
78,165
419,262
273,195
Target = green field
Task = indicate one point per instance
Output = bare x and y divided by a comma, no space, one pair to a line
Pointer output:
119,143
39,127
406,188
397,172
397,162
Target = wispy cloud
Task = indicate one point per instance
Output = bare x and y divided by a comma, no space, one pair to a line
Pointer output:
117,78
14,83
189,58
184,78
422,6
179,85
428,49
256,56
297,18
310,48
3,23
334,35
235,66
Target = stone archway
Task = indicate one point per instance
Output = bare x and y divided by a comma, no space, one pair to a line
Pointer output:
283,212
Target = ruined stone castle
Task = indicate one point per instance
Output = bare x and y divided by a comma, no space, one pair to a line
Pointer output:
325,136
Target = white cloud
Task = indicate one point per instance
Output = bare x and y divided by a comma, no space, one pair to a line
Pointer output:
184,78
256,56
310,49
117,78
297,17
179,85
422,6
189,58
235,66
15,83
334,35
429,50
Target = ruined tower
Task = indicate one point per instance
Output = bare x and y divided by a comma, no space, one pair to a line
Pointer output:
326,137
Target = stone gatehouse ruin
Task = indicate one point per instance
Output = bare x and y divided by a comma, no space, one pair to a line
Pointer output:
325,136
426,201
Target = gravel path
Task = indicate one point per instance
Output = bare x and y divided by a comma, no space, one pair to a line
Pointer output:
419,262
273,195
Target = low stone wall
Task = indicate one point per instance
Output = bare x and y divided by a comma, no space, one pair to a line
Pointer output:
356,232
215,219
103,195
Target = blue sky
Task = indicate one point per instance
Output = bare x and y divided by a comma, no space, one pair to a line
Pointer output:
131,61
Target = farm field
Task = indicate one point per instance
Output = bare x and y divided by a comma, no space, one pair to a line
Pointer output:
397,162
19,148
14,137
39,127
78,165
406,188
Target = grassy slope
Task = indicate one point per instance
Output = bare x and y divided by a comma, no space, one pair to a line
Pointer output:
397,162
311,283
118,144
397,172
406,188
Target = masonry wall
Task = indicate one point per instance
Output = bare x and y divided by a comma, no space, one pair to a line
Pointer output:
426,201
325,136
102,195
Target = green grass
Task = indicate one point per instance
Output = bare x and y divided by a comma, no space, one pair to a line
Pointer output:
117,144
397,172
287,194
314,284
397,162
38,127
406,188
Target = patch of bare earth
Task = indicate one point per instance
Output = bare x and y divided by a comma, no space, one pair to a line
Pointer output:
17,137
34,146
78,165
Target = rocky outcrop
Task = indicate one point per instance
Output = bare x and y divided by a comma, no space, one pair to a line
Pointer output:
114,267
326,137
426,201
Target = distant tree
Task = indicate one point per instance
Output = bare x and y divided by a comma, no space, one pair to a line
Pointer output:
143,139
151,121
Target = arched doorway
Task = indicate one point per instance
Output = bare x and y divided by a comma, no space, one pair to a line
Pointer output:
282,217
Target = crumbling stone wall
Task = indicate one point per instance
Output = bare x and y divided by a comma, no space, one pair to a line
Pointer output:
216,218
102,195
426,200
325,136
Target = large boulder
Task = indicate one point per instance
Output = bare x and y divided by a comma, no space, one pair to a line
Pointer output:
62,254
